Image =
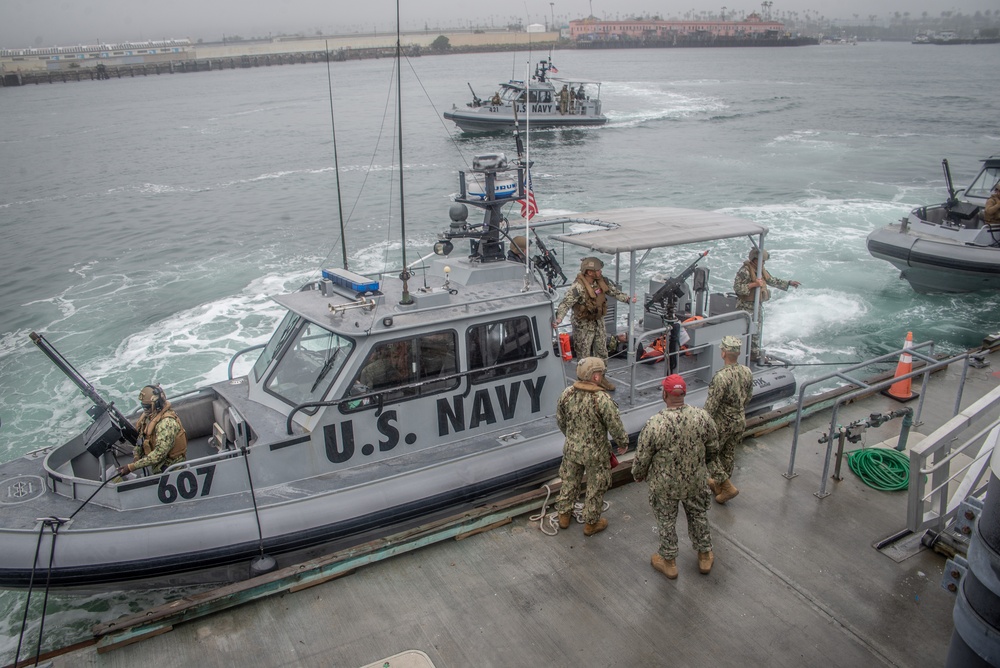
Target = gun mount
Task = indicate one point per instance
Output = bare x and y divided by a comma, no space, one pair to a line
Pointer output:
110,425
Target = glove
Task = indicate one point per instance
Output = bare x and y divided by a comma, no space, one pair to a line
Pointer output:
124,470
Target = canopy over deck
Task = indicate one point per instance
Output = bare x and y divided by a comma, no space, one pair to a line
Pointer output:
644,228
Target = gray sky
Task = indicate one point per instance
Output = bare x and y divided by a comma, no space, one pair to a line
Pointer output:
63,22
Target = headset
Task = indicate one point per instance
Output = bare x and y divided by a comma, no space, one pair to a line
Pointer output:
154,396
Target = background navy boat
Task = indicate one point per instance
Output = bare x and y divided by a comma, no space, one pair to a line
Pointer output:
550,102
946,247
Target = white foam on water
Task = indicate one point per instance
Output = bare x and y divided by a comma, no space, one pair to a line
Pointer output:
656,104
806,139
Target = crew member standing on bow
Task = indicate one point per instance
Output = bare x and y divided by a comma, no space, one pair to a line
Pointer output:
673,449
162,441
588,298
745,287
728,396
586,415
991,212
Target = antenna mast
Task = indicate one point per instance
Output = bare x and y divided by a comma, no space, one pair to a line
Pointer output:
405,274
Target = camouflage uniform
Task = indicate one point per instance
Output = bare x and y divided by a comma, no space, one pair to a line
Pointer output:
165,434
671,455
586,415
589,334
746,275
728,396
991,212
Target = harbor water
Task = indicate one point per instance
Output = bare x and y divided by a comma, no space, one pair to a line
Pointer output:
146,222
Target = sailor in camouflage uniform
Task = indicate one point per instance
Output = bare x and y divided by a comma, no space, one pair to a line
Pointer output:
728,396
745,284
672,452
586,415
588,298
162,440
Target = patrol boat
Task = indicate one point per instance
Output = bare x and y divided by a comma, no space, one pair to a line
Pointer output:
946,247
376,402
538,98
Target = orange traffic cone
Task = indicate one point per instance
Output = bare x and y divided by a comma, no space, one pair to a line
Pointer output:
900,390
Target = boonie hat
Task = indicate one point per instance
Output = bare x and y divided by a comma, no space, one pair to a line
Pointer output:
591,264
754,253
588,366
731,344
674,384
520,243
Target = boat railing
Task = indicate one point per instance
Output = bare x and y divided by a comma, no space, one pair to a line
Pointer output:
864,389
214,457
697,350
934,500
239,353
378,397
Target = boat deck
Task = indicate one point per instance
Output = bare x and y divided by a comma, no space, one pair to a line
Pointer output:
796,582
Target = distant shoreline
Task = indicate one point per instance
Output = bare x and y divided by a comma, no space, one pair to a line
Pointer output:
242,55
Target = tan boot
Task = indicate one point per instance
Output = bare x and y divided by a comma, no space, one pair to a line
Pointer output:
596,527
705,561
726,491
713,486
564,520
666,566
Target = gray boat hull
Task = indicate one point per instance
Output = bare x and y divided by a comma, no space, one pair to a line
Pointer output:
936,260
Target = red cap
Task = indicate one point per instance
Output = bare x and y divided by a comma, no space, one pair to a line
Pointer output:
674,384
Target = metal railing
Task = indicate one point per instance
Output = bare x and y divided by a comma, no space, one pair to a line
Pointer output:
931,364
930,505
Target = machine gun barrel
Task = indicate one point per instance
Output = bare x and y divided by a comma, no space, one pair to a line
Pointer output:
128,431
947,179
475,98
549,260
672,285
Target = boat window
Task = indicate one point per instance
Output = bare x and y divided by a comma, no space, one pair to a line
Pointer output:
495,348
984,183
308,365
277,342
407,368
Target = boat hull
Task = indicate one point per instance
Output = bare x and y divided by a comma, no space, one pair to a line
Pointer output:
937,264
103,549
484,121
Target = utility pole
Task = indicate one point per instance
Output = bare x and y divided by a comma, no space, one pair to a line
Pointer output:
552,8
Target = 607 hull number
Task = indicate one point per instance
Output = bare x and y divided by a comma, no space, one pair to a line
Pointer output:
187,485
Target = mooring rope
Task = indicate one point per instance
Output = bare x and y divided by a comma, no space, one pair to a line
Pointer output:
552,519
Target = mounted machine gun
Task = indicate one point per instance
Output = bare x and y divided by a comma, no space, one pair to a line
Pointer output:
110,426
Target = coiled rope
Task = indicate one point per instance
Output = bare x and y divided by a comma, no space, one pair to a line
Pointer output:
548,523
880,468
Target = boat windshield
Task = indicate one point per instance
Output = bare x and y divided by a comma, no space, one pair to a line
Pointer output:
984,182
308,364
277,342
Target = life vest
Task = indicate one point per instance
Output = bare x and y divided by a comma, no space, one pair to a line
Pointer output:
655,350
765,293
146,426
595,301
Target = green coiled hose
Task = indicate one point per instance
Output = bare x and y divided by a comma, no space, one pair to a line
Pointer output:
880,468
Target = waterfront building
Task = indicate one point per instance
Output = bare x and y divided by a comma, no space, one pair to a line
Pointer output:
593,29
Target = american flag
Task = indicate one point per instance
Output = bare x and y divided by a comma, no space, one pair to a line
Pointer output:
529,208
552,68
